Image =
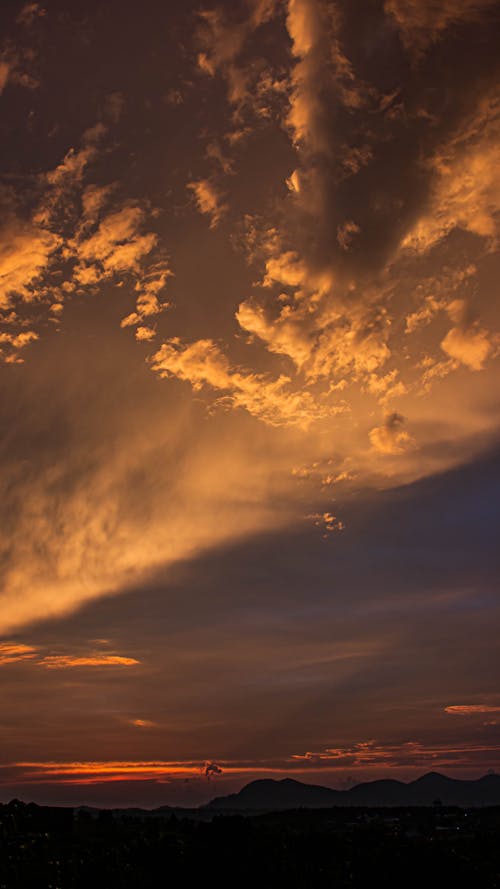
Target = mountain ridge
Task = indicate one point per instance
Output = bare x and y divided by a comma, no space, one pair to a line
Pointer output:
269,794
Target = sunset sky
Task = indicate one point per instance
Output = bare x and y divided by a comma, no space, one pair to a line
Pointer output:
249,395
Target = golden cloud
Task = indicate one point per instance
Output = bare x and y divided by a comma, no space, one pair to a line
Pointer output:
12,652
67,661
208,199
392,438
202,363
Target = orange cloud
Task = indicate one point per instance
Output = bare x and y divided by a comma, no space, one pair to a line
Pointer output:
465,193
328,521
365,754
151,283
409,753
222,40
11,652
63,661
145,334
470,709
208,199
202,363
116,246
4,75
391,438
26,252
423,22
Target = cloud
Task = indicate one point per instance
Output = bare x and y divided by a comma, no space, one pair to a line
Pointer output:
470,709
12,652
61,236
209,200
328,522
4,75
30,12
321,341
345,233
467,342
15,342
13,68
423,22
202,363
94,198
151,283
25,254
389,755
67,661
465,194
222,37
145,334
116,246
470,346
391,438
344,306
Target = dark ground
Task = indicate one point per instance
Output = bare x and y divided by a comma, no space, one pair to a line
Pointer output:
335,848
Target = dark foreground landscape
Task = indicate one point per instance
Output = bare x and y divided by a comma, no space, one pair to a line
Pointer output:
342,846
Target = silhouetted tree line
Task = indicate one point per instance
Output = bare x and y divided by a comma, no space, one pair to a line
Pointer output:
50,848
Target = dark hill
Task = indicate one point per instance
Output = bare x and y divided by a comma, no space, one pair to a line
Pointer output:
271,795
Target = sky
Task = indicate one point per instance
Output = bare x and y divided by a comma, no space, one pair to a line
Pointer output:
249,351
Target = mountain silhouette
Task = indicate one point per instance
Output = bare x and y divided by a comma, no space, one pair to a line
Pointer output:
428,790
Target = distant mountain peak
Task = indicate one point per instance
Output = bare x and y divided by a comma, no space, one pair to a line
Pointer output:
432,776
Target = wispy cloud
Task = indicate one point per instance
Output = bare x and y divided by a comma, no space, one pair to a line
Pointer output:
12,652
471,709
65,661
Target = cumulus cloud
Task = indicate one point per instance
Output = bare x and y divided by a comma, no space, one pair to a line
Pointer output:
465,194
202,363
391,438
471,346
353,259
116,246
26,250
76,236
145,334
320,340
467,342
